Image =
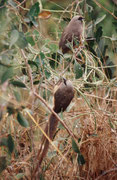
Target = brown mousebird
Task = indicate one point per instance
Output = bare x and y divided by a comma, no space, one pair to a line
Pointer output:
72,32
62,98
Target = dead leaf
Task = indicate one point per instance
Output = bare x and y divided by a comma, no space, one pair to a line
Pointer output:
45,15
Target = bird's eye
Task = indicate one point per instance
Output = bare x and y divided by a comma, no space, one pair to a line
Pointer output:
80,18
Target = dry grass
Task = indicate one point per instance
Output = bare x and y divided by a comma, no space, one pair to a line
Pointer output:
98,145
95,125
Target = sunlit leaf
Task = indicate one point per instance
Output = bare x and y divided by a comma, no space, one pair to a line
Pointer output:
14,37
12,3
17,96
100,48
100,19
30,40
113,38
22,42
22,120
53,47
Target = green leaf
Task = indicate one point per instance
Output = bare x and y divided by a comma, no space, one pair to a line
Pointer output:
104,51
33,63
17,96
80,159
54,61
41,177
3,142
100,48
111,124
1,114
42,56
47,73
110,70
100,19
78,70
75,147
10,109
115,23
3,163
36,35
7,75
10,143
2,3
12,3
46,94
113,38
20,176
24,70
36,82
14,37
22,121
34,21
18,84
53,47
98,34
34,10
22,42
30,40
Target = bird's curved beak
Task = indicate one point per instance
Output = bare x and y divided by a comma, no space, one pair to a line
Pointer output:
83,18
64,80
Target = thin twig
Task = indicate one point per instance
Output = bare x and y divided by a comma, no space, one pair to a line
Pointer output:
41,99
51,110
106,172
29,71
100,5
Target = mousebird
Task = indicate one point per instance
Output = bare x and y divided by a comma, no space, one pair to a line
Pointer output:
64,93
63,96
72,32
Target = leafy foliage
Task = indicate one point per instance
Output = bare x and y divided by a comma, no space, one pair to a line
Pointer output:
8,142
30,61
22,121
80,158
